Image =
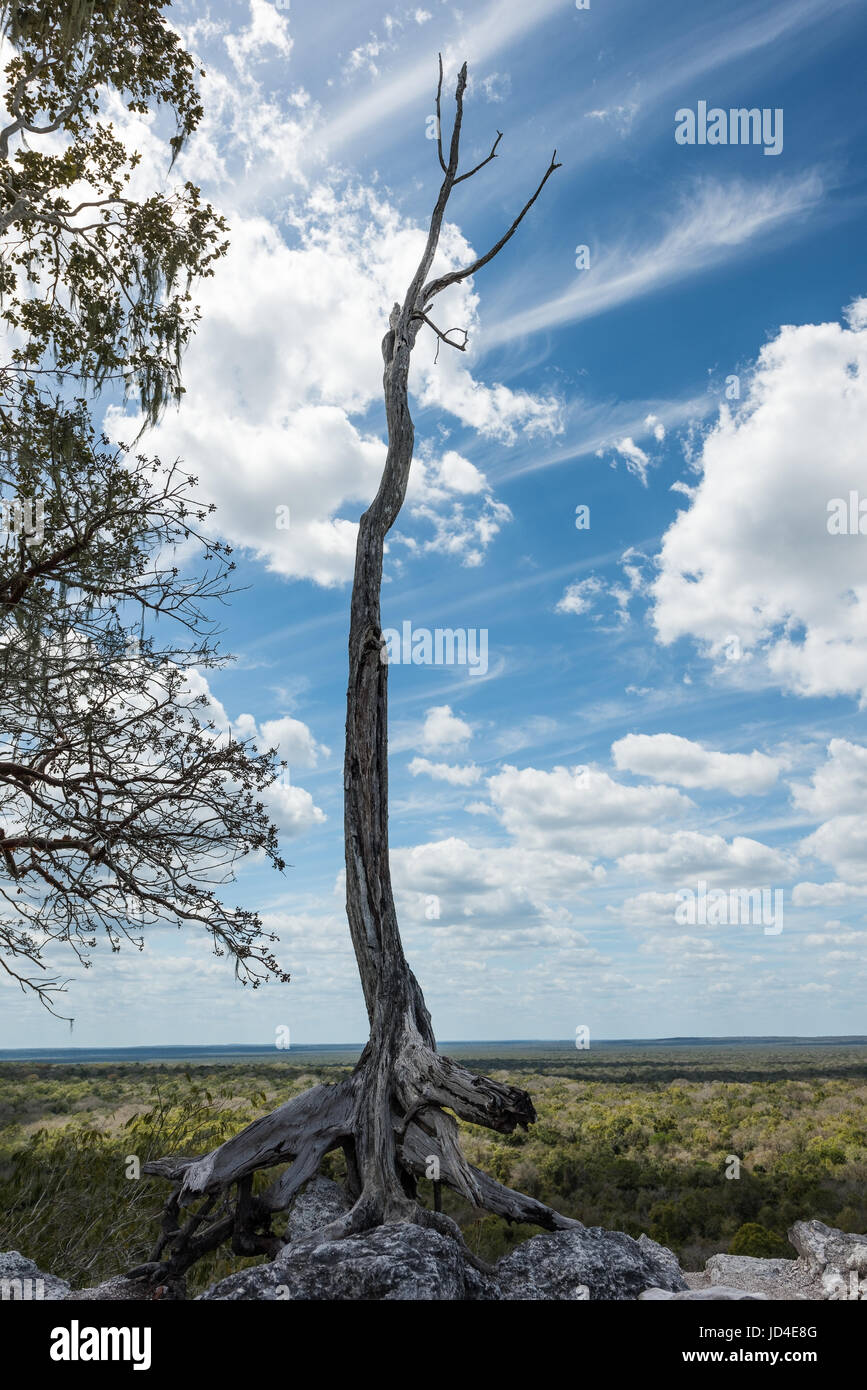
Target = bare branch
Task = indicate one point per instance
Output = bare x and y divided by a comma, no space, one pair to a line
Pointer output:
491,156
443,336
439,121
434,287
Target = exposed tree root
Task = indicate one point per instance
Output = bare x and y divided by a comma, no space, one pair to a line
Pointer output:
390,1119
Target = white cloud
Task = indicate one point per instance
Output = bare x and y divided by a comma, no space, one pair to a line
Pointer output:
581,596
267,29
670,758
443,729
835,934
292,808
686,950
282,362
455,775
839,787
751,561
285,363
637,460
582,810
645,909
293,740
497,86
363,58
492,897
621,116
495,412
690,856
842,843
825,894
714,222
459,475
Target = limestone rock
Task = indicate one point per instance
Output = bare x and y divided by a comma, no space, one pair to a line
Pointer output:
395,1261
586,1263
21,1279
321,1201
774,1279
836,1260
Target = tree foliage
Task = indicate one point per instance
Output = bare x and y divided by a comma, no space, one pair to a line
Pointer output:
121,804
95,278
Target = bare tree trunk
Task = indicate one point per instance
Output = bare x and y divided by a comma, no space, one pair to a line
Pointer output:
391,1116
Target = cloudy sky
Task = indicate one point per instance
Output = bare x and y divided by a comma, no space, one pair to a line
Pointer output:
675,693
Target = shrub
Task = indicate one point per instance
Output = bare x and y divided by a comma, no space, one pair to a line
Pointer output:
758,1241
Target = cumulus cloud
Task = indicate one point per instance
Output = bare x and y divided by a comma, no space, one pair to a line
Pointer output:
293,741
645,909
292,808
690,855
443,729
839,786
825,894
750,569
455,775
582,810
670,758
492,897
842,843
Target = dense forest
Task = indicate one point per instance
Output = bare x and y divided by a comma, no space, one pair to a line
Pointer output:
633,1140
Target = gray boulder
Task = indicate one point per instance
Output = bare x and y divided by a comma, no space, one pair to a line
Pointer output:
396,1261
321,1201
21,1279
587,1262
835,1260
775,1279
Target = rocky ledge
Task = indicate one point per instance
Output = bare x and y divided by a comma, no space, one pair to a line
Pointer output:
404,1262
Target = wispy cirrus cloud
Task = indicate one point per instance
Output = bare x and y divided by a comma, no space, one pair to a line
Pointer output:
711,225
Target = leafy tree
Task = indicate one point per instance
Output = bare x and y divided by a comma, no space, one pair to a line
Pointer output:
120,805
95,282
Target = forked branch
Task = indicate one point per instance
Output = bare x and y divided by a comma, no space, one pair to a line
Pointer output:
453,277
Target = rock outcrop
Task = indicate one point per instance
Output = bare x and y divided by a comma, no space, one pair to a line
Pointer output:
22,1280
836,1260
586,1263
388,1263
406,1262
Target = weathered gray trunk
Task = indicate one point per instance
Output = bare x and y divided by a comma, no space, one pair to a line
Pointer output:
395,1005
391,1117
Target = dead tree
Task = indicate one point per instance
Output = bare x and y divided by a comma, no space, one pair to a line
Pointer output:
391,1116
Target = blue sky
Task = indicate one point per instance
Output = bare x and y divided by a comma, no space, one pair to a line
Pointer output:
674,694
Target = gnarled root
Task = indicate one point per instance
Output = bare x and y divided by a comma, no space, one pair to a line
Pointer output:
391,1119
